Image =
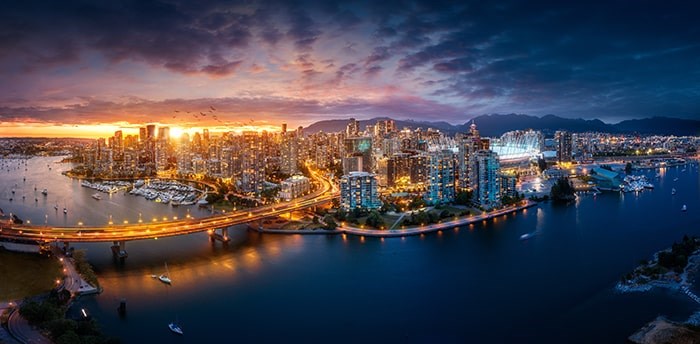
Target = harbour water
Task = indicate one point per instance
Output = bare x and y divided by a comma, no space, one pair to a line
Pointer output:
477,284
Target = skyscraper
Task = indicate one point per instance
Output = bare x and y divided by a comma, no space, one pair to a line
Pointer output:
353,128
564,146
358,147
487,186
469,144
441,177
289,150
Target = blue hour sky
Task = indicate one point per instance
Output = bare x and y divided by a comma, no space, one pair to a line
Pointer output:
75,62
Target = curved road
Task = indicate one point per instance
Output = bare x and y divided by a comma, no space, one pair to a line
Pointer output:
325,193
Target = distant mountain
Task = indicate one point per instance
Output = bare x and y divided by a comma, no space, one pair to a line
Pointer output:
336,125
661,126
496,124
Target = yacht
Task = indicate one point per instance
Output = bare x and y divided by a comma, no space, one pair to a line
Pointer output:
175,328
684,208
96,196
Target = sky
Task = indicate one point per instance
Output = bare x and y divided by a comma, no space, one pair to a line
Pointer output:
78,68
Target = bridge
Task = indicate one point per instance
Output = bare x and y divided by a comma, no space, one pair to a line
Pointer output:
216,225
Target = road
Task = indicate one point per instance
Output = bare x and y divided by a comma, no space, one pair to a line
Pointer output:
325,193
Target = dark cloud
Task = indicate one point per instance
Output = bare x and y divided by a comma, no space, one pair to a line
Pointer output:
222,69
574,58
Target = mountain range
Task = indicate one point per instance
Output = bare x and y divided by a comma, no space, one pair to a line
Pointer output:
497,124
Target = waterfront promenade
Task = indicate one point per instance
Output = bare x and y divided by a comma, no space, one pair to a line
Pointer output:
411,231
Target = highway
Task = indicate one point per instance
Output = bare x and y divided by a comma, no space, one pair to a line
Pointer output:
324,192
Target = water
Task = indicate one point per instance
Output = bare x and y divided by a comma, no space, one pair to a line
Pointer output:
473,284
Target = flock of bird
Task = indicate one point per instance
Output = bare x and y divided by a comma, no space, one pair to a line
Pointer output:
211,113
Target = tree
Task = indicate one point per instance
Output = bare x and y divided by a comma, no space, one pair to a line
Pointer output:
463,197
563,191
330,223
541,164
375,219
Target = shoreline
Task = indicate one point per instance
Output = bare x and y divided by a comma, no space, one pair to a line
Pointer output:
412,231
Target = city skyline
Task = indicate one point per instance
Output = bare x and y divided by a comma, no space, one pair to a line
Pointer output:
75,68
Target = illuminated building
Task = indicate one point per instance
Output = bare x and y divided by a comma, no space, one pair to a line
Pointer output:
358,147
441,177
486,174
359,190
564,146
293,187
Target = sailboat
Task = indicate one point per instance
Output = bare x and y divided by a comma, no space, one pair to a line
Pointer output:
175,327
165,278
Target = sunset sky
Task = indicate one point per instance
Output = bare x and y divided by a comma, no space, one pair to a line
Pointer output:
73,68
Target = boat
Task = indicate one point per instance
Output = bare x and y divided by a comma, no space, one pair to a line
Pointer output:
175,328
44,192
96,196
684,208
65,211
55,207
673,191
527,236
675,179
165,278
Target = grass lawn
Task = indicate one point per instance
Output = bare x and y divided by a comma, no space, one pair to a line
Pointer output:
25,274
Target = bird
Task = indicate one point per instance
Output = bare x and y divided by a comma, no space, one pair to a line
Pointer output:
213,109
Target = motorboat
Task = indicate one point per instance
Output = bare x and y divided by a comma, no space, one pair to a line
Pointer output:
673,191
96,196
684,208
527,236
45,192
175,328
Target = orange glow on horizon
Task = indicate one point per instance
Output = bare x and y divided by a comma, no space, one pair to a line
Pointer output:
95,131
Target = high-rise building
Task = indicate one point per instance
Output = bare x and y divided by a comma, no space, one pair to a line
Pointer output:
468,144
353,128
359,147
359,190
289,150
487,186
151,132
164,134
407,168
142,134
284,128
441,177
564,146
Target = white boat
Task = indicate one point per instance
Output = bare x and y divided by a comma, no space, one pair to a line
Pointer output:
175,328
527,236
684,208
44,192
165,277
675,179
96,196
65,211
673,191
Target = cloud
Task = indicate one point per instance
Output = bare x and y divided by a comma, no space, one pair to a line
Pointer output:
567,58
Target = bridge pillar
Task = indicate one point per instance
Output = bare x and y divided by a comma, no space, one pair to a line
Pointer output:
220,234
119,250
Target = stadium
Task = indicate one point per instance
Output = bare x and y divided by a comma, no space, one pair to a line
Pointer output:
515,147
